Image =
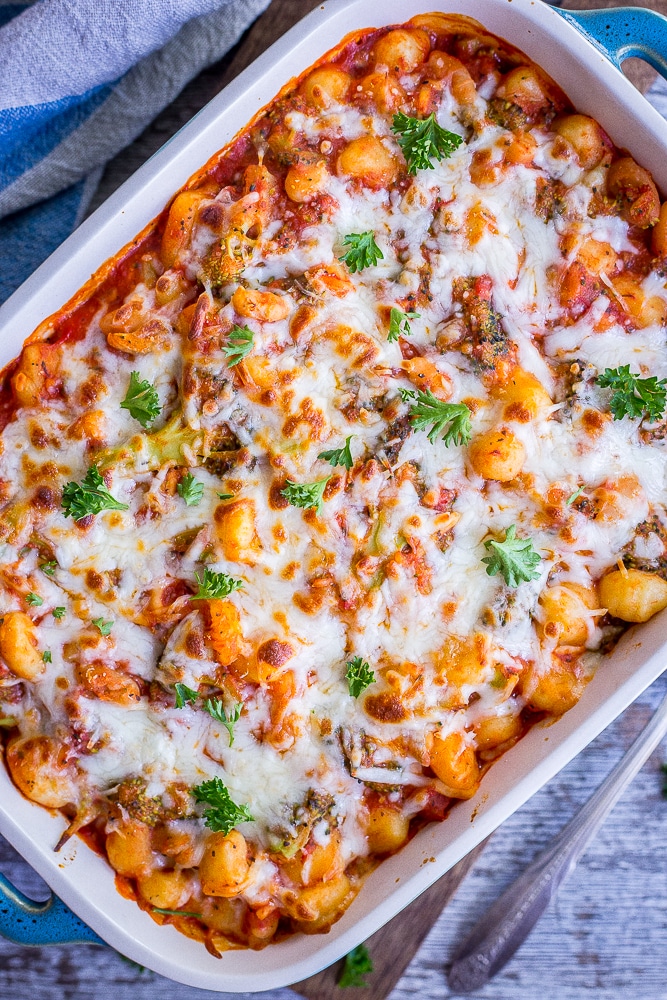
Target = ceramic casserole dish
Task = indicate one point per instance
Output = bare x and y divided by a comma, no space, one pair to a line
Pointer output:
83,881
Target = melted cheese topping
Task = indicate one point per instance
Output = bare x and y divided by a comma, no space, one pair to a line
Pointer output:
390,571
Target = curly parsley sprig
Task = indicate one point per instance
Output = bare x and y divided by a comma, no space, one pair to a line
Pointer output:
240,341
306,495
358,964
104,626
422,140
634,396
90,496
216,710
514,557
184,695
214,586
363,252
399,324
141,400
339,456
222,814
191,490
358,675
428,413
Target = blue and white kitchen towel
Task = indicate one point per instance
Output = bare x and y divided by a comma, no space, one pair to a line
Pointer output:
79,80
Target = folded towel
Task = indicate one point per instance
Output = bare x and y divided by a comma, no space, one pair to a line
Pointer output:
80,80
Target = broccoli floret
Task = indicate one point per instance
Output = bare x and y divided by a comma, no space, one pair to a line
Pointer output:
175,444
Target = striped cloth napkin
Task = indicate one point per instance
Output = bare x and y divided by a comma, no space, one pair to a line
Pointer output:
79,80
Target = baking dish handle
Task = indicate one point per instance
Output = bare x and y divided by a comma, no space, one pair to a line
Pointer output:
26,922
621,32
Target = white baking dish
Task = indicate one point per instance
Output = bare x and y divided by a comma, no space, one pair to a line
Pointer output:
81,878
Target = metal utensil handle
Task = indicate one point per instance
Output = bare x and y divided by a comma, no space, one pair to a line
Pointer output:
24,921
509,921
621,32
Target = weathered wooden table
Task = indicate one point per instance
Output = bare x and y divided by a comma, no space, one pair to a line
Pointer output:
607,931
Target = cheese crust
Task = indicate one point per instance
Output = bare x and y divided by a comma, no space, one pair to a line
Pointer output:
255,480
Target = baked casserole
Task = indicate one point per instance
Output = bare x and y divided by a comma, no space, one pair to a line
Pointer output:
340,476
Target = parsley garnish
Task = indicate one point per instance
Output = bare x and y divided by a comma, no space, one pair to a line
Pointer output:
104,627
34,600
191,489
46,656
452,420
223,814
339,456
58,613
225,496
184,694
306,494
574,496
363,252
239,345
213,586
89,497
514,557
399,325
216,710
176,913
422,140
142,400
49,567
634,396
357,965
358,675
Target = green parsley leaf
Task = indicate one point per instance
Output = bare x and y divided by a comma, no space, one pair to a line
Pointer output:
176,913
239,345
514,557
191,490
216,710
363,252
358,675
339,456
184,694
225,496
34,600
49,567
422,140
58,613
142,400
213,586
452,420
306,495
104,627
634,396
574,496
88,497
358,964
399,325
46,656
8,722
223,814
